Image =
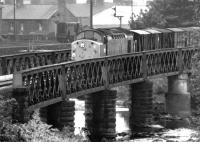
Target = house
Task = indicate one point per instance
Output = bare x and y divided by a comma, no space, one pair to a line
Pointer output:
40,20
46,21
82,12
43,20
132,2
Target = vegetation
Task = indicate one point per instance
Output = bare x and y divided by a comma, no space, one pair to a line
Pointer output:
194,83
33,131
168,13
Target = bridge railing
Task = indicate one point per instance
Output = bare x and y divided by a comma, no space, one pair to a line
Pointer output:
49,84
16,62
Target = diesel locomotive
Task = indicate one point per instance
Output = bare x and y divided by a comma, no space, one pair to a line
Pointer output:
100,42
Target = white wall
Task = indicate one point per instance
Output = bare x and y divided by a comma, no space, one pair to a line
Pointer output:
27,1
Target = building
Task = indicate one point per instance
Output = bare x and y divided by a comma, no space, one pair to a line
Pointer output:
84,16
1,7
131,2
43,19
40,20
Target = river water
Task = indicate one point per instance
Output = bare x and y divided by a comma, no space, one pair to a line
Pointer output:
180,133
121,120
122,116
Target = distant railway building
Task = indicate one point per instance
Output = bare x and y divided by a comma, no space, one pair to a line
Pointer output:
46,20
38,20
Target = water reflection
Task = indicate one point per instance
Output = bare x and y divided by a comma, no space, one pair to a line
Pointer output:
122,125
79,121
122,117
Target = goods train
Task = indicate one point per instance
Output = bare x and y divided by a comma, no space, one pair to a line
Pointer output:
100,42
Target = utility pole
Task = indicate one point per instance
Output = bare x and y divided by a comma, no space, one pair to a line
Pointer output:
91,14
14,22
132,10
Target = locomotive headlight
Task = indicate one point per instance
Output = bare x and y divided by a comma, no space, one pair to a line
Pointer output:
82,45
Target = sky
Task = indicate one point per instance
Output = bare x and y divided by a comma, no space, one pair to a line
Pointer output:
84,1
78,1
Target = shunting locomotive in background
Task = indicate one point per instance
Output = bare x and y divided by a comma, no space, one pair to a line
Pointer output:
95,43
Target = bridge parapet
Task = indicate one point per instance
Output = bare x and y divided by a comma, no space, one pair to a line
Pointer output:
13,63
50,84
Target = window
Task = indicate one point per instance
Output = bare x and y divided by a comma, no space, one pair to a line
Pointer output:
89,34
22,27
97,37
11,24
40,27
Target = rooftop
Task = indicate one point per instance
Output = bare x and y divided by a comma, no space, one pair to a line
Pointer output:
29,12
83,10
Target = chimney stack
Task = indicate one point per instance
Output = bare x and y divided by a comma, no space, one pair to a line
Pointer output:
19,3
61,9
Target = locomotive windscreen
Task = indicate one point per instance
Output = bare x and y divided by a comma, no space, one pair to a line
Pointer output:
89,34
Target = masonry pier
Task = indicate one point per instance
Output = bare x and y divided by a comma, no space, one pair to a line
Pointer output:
60,115
141,108
43,114
100,115
178,98
22,115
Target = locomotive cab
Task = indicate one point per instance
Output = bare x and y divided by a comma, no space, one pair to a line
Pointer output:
119,40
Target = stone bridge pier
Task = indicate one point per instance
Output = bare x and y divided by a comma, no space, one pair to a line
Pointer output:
141,108
59,115
178,98
100,115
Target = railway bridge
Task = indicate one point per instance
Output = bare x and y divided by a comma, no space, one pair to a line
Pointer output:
50,87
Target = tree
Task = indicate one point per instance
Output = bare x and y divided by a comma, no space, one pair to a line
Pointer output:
168,13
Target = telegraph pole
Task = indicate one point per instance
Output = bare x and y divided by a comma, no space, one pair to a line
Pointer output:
14,22
132,10
91,14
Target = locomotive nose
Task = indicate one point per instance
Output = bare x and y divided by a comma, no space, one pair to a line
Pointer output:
85,49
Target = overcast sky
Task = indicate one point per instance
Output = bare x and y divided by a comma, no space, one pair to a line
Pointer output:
84,1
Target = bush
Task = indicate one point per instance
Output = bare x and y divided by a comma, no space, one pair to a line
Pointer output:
33,131
194,83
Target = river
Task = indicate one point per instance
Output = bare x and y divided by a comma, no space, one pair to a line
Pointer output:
180,133
121,120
